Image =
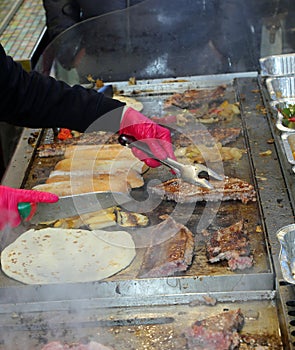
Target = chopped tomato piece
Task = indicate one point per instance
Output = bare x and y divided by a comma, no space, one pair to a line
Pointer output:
64,134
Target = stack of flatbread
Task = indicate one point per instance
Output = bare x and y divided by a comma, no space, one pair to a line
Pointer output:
54,255
89,168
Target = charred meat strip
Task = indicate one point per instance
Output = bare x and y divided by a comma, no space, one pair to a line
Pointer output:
51,150
170,251
95,137
218,332
184,192
231,244
191,99
58,148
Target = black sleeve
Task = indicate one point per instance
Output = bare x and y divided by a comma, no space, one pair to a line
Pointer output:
37,101
60,15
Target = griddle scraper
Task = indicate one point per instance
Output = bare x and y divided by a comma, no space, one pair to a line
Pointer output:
69,206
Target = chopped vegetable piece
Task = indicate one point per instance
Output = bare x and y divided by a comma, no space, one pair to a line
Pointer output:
64,134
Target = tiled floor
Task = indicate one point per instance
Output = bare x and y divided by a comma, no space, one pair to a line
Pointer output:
7,9
23,32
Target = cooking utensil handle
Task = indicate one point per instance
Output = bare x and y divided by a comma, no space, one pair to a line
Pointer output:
107,90
127,140
26,210
130,141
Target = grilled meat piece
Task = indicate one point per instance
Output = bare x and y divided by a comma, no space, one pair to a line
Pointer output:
237,262
95,137
51,150
192,137
58,148
184,192
191,99
218,332
170,251
231,244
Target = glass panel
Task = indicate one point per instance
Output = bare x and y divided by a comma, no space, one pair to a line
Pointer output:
157,39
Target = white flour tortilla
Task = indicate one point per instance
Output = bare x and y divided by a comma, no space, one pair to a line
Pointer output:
53,255
130,102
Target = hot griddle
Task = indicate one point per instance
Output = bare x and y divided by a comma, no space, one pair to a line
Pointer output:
153,327
252,289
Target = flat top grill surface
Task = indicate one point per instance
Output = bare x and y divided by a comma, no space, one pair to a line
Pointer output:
249,289
135,328
205,214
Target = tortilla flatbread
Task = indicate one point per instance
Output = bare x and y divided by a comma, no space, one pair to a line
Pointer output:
53,255
130,102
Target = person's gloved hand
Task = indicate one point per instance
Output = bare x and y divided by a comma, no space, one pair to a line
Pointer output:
155,136
9,199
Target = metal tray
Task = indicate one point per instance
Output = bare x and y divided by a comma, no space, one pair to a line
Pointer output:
276,106
280,126
286,237
281,87
288,141
277,65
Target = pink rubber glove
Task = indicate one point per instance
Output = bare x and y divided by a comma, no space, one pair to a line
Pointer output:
158,138
9,199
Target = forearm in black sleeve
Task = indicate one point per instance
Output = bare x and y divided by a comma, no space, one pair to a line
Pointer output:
37,101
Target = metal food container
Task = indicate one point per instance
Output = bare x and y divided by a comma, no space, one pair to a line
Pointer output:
281,87
280,126
286,237
279,105
277,65
288,141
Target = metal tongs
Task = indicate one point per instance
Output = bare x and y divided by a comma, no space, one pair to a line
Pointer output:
197,174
